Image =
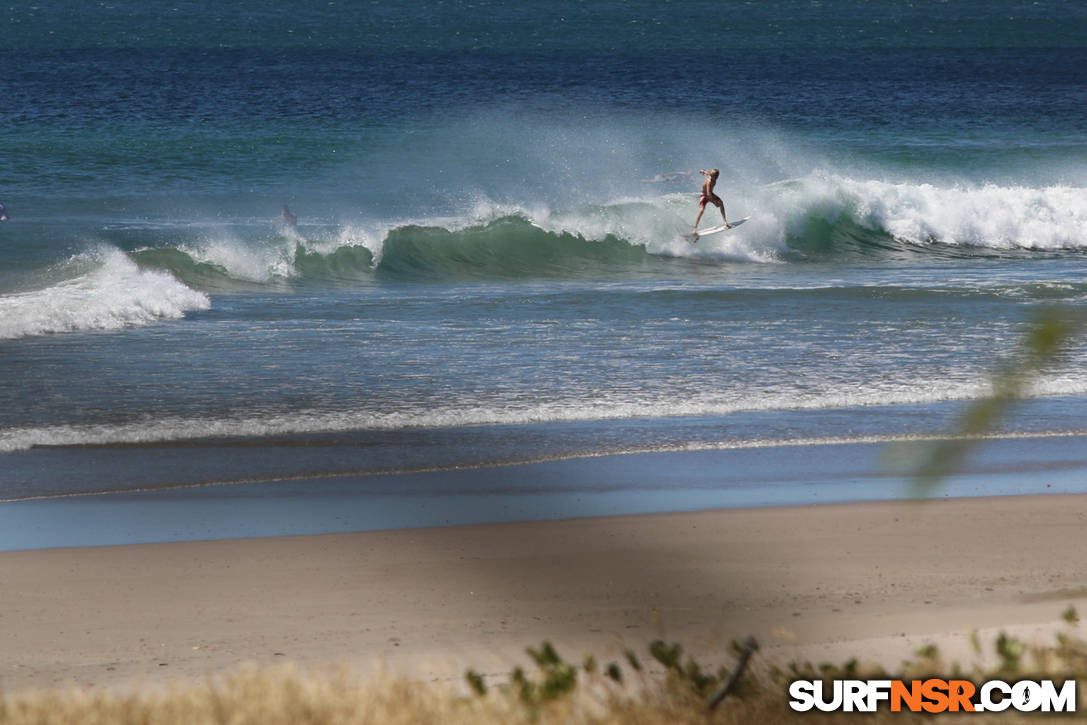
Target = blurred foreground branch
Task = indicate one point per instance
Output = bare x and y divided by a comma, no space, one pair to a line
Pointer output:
1050,333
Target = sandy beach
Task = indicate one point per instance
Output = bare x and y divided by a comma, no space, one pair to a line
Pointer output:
819,582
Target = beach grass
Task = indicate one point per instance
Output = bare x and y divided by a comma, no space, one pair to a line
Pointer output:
669,687
288,696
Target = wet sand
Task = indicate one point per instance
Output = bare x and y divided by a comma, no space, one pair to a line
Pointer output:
875,579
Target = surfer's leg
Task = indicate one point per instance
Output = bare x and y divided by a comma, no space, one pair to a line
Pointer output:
701,208
721,205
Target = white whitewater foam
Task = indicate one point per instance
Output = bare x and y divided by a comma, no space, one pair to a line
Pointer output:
171,429
113,295
998,217
243,260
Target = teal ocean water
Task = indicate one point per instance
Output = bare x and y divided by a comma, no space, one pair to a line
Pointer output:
489,262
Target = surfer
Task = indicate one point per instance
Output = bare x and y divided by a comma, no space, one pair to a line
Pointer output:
708,197
3,213
287,219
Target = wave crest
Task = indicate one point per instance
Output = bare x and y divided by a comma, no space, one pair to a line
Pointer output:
109,292
988,216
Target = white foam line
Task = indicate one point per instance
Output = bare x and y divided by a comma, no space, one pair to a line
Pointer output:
168,430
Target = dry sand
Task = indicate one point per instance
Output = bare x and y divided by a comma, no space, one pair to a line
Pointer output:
818,581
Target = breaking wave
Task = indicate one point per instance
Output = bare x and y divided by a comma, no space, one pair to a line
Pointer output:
817,216
103,290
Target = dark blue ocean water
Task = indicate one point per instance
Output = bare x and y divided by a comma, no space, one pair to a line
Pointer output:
489,263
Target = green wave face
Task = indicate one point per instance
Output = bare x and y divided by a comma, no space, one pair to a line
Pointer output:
202,275
511,247
345,264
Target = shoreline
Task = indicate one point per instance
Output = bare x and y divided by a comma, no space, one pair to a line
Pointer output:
810,581
901,440
578,487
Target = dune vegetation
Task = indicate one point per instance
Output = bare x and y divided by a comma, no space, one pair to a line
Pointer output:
666,686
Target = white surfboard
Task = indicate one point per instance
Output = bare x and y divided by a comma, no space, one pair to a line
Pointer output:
716,230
